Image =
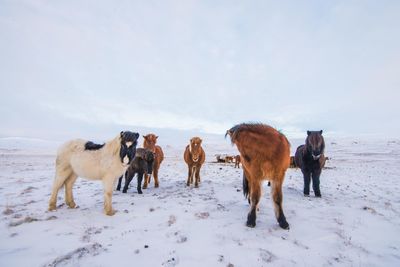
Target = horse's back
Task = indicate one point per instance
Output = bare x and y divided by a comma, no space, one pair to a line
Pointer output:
261,142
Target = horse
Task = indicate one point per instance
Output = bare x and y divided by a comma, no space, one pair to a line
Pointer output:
228,159
194,157
310,159
237,161
265,154
149,143
141,164
105,162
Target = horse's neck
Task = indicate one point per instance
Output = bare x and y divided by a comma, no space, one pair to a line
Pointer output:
113,146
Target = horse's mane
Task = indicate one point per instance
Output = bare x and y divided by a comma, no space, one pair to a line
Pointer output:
258,128
93,146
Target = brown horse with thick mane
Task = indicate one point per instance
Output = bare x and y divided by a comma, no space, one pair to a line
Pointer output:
194,157
265,154
149,143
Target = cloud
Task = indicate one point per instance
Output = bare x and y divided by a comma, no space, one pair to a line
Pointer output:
202,65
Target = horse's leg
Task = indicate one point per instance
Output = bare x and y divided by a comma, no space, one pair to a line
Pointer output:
146,181
197,177
189,175
276,192
119,183
128,179
62,174
192,176
108,183
307,177
139,182
254,181
246,185
315,182
69,183
155,175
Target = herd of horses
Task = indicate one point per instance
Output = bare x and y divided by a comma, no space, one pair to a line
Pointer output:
264,155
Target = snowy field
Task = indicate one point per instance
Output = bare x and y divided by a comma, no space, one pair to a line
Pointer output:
355,223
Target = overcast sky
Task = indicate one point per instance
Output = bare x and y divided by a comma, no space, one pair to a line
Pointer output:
80,66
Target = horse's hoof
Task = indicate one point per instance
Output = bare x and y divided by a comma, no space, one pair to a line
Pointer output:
110,213
187,184
306,195
118,189
124,191
71,205
196,185
156,185
318,195
251,224
144,187
284,225
140,192
52,207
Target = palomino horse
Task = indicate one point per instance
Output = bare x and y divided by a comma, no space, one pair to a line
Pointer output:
194,157
85,159
140,165
265,154
310,159
149,143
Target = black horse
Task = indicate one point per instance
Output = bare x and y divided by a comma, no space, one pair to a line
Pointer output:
140,165
310,159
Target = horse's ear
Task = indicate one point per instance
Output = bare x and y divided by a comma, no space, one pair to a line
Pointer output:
156,136
122,133
144,136
308,132
320,132
137,135
201,140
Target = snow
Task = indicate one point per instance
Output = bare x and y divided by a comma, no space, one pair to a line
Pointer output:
355,223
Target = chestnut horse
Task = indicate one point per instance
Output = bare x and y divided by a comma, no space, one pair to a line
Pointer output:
265,154
149,143
194,157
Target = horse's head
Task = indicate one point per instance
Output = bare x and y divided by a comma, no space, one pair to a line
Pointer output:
128,146
149,158
195,148
150,141
315,144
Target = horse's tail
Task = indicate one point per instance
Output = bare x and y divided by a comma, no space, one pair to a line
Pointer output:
245,186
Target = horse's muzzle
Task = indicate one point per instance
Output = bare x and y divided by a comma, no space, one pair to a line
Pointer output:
316,157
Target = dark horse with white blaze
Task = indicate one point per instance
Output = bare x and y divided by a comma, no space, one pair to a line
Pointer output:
310,159
140,165
265,155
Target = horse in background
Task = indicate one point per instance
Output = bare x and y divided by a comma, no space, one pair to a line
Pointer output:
237,161
105,162
194,157
149,143
265,154
140,165
310,159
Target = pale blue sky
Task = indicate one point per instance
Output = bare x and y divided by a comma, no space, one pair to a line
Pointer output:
75,67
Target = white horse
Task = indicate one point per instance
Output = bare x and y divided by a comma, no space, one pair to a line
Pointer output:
85,159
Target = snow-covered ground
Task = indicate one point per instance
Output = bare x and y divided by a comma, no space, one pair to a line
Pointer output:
355,223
